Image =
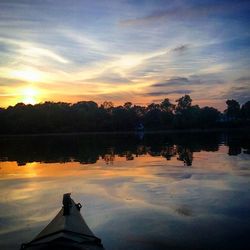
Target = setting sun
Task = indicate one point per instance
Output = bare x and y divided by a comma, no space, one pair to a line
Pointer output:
29,95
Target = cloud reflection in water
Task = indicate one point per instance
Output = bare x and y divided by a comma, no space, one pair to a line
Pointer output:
145,203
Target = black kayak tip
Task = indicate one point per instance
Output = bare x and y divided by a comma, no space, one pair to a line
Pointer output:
67,231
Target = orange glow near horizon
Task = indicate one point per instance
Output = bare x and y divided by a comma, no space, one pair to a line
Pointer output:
34,96
94,84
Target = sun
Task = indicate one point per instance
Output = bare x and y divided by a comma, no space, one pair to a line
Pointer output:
29,95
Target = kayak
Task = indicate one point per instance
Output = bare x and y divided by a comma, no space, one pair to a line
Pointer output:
68,230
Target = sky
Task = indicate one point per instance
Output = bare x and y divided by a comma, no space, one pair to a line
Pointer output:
139,51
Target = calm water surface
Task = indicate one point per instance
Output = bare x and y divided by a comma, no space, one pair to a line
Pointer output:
152,191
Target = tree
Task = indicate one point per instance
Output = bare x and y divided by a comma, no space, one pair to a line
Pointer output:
85,105
152,118
107,105
183,103
245,110
153,106
167,106
127,105
233,109
208,116
140,111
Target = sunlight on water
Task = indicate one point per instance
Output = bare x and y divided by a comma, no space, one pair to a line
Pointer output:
146,194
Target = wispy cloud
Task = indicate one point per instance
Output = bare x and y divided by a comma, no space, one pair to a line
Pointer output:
241,94
166,93
181,48
191,80
10,82
84,41
188,12
244,79
32,50
173,81
110,78
216,68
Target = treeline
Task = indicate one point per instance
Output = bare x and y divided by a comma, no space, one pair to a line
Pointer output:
87,116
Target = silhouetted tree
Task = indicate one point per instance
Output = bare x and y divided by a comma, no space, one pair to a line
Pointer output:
127,105
233,109
153,116
209,117
107,105
84,116
183,103
187,116
245,110
167,106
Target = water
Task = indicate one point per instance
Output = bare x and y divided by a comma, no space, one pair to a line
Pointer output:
152,191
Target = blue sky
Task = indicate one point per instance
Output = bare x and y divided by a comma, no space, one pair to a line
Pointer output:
138,51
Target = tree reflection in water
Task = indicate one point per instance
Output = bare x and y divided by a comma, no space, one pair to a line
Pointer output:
89,148
109,157
185,155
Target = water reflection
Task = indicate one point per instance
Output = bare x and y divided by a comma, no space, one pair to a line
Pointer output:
88,149
131,199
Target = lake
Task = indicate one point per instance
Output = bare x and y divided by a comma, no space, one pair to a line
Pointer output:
138,191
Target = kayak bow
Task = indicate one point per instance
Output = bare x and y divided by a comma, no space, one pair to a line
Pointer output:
68,230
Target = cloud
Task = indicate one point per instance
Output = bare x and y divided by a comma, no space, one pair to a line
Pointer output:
191,80
85,41
32,50
244,79
172,82
181,48
37,52
215,68
10,82
242,96
181,92
191,12
239,93
109,77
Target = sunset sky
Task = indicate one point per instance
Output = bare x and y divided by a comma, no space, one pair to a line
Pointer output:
140,51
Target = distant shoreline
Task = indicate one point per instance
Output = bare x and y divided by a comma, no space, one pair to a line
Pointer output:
169,131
